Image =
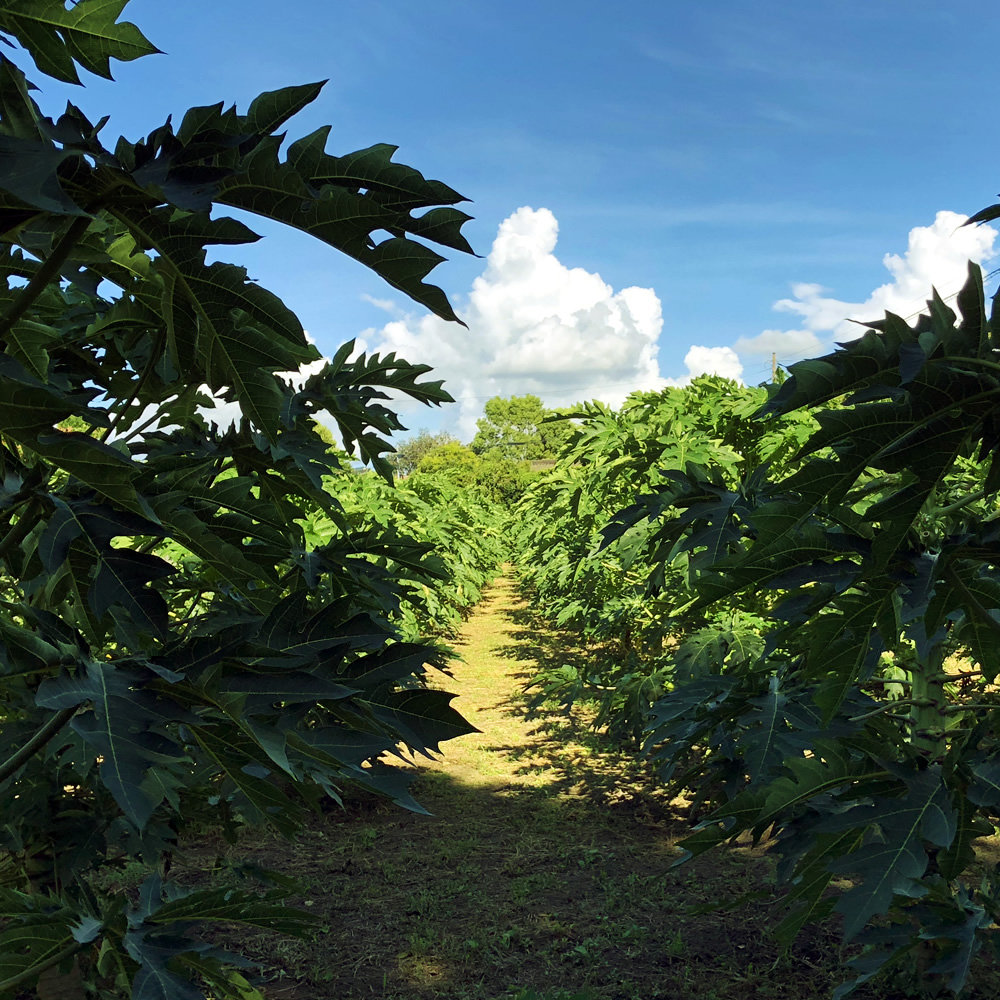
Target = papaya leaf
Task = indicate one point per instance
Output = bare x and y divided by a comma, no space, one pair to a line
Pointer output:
166,600
87,34
234,906
893,857
30,170
261,799
30,945
119,725
425,718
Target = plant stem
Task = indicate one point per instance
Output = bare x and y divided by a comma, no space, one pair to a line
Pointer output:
46,272
46,733
944,675
982,362
928,704
26,974
959,504
187,620
889,706
970,707
17,534
132,432
13,509
136,389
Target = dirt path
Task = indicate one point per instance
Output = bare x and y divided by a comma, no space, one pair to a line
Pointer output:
500,649
543,873
486,682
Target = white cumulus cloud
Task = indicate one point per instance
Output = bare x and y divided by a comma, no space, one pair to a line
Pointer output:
538,326
710,361
937,256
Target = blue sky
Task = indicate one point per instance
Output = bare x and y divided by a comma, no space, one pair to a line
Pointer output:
712,159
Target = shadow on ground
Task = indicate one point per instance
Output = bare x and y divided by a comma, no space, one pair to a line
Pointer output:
499,890
510,888
580,761
548,877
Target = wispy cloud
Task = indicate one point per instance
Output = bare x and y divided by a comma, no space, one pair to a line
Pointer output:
386,305
741,45
813,120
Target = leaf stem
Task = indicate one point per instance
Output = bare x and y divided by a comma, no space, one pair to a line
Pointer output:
46,733
968,707
35,970
948,678
889,706
982,362
156,415
959,504
187,619
14,508
137,388
17,534
46,272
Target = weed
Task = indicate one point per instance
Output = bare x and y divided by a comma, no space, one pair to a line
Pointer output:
675,946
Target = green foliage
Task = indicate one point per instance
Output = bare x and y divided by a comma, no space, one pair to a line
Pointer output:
520,428
498,479
587,560
175,647
409,451
781,595
882,539
430,544
88,34
452,459
502,480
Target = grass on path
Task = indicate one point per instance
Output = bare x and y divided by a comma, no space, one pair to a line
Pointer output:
544,872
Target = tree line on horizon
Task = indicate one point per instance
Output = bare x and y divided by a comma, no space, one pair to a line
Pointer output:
514,433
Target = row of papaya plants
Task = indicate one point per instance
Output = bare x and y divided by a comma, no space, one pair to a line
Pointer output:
806,621
443,543
173,645
604,591
884,537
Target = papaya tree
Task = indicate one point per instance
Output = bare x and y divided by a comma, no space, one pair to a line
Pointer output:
862,738
173,650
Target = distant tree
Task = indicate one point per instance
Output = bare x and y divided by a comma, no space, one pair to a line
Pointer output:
503,480
555,433
410,451
457,460
516,428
